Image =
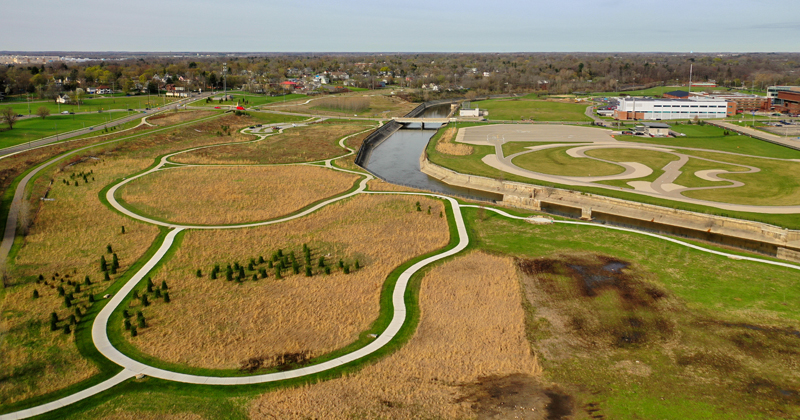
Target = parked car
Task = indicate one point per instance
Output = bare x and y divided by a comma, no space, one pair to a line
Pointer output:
65,112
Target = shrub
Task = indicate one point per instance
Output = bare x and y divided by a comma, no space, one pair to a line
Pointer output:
321,262
67,302
142,322
261,260
166,297
123,227
150,288
308,271
164,285
157,293
252,262
77,288
67,330
213,275
86,281
72,320
78,312
53,317
136,294
139,314
270,264
133,332
113,270
241,272
41,277
216,267
255,277
236,266
108,248
296,268
103,263
347,269
145,302
327,270
53,325
341,264
199,273
114,261
356,265
125,313
278,273
60,290
106,277
229,275
127,324
280,253
250,266
91,298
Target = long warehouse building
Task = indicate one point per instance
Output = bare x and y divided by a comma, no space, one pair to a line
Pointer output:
669,109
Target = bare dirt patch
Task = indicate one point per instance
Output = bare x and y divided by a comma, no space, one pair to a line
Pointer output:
302,144
468,357
445,144
226,324
225,195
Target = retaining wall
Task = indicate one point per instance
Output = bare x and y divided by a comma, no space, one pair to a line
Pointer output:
755,236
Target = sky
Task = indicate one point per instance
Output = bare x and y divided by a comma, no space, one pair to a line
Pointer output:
402,26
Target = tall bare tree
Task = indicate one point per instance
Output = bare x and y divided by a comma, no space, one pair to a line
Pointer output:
8,116
43,112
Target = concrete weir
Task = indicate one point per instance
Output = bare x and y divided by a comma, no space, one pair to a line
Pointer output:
752,236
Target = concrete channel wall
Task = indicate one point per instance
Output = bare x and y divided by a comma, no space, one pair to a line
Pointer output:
753,236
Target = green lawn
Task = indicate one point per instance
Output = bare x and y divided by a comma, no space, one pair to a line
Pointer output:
518,109
268,118
690,180
712,138
252,99
94,105
699,351
35,128
556,161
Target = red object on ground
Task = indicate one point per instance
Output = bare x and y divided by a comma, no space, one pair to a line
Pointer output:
240,108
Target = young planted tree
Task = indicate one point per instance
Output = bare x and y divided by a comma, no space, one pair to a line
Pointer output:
114,261
278,273
308,271
321,262
213,275
43,112
67,330
261,260
255,277
108,248
72,320
166,297
53,325
357,265
164,285
125,313
347,269
8,116
87,281
327,269
157,293
123,227
199,273
106,277
127,324
91,298
103,263
35,294
142,323
133,332
145,302
60,290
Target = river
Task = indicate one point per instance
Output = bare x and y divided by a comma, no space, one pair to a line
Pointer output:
397,160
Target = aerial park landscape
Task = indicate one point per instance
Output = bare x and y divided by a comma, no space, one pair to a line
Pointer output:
399,235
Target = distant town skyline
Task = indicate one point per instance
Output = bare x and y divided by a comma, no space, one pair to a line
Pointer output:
410,26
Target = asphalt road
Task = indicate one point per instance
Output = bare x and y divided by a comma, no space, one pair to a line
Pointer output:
61,137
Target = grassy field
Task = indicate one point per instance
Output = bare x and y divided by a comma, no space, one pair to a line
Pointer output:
252,99
556,161
380,106
665,337
93,105
447,146
445,371
712,138
525,109
302,144
173,117
267,118
227,323
35,128
236,195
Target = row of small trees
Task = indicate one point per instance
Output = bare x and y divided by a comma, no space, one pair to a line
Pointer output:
280,264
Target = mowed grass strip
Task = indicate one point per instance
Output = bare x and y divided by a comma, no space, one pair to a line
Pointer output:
537,110
301,144
31,129
228,195
220,324
172,117
556,161
471,328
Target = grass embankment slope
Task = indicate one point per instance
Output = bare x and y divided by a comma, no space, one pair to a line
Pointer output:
31,129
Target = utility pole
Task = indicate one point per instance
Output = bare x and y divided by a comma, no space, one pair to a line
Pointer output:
225,81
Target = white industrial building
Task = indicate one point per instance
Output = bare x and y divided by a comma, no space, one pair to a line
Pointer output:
670,109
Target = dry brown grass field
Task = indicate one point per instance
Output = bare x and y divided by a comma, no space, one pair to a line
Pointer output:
228,195
172,117
302,144
380,106
380,185
60,241
221,324
67,236
445,144
469,358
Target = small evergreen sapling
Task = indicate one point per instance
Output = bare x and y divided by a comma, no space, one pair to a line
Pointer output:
166,297
127,324
35,294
